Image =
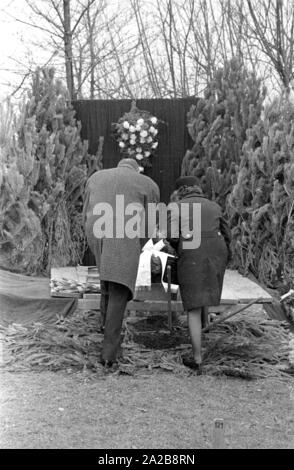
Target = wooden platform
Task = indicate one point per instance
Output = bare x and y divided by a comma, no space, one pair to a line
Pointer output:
85,278
241,289
239,293
78,273
237,289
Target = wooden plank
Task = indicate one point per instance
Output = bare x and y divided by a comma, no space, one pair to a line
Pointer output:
71,295
242,289
157,306
149,306
94,301
230,315
261,300
69,273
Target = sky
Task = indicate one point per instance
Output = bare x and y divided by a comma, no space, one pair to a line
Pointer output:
12,48
15,44
17,50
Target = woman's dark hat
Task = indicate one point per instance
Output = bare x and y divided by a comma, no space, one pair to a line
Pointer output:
186,181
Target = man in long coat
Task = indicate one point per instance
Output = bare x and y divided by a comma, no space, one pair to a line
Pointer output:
117,254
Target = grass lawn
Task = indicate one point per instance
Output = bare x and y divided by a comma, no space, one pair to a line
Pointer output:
151,410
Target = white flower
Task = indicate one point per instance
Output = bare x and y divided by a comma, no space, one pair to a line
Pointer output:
132,129
122,145
142,141
144,134
139,156
155,145
139,150
140,122
155,132
133,139
138,128
154,120
125,136
126,125
149,140
147,154
141,169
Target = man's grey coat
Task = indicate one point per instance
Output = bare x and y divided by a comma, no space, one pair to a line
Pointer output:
117,258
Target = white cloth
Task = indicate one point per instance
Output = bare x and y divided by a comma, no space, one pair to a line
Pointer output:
144,270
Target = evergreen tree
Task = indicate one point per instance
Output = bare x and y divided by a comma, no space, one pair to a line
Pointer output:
218,125
43,179
261,205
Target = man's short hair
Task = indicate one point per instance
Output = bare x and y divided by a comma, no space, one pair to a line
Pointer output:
129,162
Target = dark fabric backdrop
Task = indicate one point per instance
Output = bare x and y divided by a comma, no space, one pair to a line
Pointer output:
96,117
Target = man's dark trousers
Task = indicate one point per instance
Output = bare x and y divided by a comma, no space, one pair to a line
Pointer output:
114,299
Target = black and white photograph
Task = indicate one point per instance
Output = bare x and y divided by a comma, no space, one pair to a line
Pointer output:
146,228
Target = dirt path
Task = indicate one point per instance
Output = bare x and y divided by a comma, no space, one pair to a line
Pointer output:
160,411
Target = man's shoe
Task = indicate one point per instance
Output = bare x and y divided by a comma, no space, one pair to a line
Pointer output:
193,365
106,364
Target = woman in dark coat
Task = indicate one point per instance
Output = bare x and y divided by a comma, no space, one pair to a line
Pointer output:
200,269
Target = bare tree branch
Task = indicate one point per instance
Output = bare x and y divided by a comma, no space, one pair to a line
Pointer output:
84,11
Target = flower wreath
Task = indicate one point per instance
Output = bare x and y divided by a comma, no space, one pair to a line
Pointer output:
136,133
